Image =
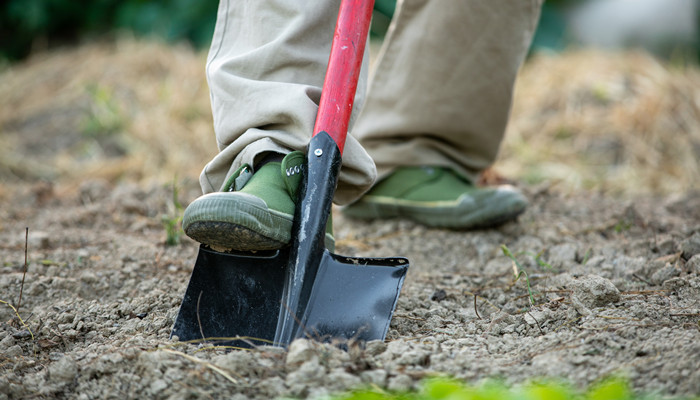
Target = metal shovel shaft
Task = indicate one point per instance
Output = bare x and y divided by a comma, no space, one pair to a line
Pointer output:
323,162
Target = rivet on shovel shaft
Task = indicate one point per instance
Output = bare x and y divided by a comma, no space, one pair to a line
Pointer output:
318,152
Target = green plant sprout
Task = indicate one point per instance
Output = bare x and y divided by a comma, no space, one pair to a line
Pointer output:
172,221
519,271
586,256
452,389
19,318
538,259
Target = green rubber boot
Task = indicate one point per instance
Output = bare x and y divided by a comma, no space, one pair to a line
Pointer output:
438,197
256,211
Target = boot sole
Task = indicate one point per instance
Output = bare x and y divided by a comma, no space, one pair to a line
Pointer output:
225,236
456,215
238,222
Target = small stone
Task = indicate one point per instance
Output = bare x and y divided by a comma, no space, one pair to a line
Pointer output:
562,253
37,288
693,264
501,323
300,351
548,363
395,349
652,266
632,217
413,357
674,284
317,392
376,347
664,274
400,383
7,342
537,317
271,388
63,370
439,295
666,245
375,377
131,206
93,190
341,380
308,374
71,333
158,386
39,240
23,334
13,351
690,246
594,291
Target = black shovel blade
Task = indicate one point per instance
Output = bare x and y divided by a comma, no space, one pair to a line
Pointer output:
237,299
232,295
353,298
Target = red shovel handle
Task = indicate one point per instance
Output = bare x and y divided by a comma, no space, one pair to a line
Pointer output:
344,65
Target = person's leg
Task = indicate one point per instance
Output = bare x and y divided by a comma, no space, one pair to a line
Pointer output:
265,70
440,97
442,87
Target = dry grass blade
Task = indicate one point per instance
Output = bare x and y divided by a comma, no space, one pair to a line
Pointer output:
536,322
204,363
199,320
622,122
21,321
24,272
475,310
173,138
484,299
251,341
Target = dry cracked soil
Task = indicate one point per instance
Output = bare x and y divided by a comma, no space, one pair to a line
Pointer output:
610,281
615,284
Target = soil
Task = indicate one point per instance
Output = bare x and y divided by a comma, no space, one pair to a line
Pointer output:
614,283
616,292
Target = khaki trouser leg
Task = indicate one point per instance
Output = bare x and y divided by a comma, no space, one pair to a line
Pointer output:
265,70
442,88
441,94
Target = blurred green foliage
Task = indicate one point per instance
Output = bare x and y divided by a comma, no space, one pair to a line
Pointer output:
551,31
36,24
450,389
27,24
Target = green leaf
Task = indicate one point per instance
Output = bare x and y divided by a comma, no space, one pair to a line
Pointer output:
548,391
613,389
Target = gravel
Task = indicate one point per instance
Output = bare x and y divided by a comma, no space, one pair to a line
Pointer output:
102,291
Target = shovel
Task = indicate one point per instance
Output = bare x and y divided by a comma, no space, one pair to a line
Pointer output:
303,291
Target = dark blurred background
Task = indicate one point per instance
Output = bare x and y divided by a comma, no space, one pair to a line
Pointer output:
667,28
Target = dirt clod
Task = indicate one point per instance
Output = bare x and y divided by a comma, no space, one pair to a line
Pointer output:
39,239
665,273
63,371
595,291
438,295
693,265
691,246
300,351
13,351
